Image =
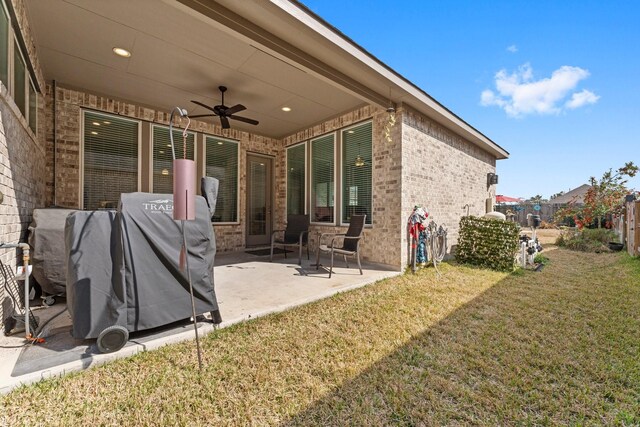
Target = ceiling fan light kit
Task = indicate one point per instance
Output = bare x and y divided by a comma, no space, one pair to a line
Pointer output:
225,113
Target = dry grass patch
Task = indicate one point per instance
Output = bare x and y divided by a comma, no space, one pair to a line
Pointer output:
471,347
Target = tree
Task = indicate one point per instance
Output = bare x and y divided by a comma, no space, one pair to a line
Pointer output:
604,197
556,195
536,199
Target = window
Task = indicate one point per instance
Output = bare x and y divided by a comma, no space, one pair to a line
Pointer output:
4,45
221,162
19,82
356,171
14,73
322,179
163,158
110,159
296,163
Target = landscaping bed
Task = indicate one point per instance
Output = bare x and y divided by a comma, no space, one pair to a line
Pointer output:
470,347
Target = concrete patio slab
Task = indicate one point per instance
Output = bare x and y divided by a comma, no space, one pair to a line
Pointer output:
247,286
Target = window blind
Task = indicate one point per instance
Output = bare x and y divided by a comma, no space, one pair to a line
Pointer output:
296,163
4,46
162,157
322,179
19,88
222,163
356,171
110,159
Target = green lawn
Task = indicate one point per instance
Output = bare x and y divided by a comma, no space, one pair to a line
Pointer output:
472,347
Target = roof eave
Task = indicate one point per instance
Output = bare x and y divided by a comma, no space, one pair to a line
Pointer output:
425,102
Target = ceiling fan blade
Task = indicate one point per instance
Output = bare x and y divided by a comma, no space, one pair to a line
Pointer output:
244,119
203,115
203,105
225,122
234,109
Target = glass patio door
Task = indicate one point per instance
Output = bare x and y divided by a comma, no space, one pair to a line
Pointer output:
259,200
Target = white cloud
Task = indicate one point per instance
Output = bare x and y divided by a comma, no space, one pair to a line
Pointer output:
513,48
580,99
519,94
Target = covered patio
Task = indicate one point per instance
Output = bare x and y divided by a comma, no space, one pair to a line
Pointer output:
247,286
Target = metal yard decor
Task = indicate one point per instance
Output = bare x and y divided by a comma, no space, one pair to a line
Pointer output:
184,177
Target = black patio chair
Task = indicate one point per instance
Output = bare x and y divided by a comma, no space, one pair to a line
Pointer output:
296,234
350,243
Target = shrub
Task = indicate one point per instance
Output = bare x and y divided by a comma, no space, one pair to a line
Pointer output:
487,243
587,240
540,259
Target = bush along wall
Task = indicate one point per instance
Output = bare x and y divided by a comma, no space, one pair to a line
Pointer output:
488,243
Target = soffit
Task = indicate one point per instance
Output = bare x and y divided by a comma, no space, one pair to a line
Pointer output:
176,57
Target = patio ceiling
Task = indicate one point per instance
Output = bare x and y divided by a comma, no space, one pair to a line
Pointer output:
176,57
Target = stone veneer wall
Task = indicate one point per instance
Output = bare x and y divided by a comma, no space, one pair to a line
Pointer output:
69,105
381,242
22,161
443,172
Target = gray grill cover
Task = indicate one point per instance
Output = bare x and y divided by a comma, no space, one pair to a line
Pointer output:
96,297
48,257
141,252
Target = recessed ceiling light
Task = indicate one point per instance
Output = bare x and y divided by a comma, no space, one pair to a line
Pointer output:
349,131
106,122
121,52
220,142
169,145
161,151
96,124
286,109
94,133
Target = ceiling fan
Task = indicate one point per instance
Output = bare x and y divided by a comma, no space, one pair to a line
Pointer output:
225,113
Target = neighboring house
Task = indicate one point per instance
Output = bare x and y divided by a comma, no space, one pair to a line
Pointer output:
573,196
79,124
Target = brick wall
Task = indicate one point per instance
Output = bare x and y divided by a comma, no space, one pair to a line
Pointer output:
22,161
442,172
69,105
386,177
423,164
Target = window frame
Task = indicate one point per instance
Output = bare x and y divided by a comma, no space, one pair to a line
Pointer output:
345,129
336,166
151,147
306,177
27,77
10,36
204,173
31,85
83,111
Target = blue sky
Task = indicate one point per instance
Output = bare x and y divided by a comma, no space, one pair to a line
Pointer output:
561,79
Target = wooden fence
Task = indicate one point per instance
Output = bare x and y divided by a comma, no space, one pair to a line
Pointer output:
632,229
546,212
